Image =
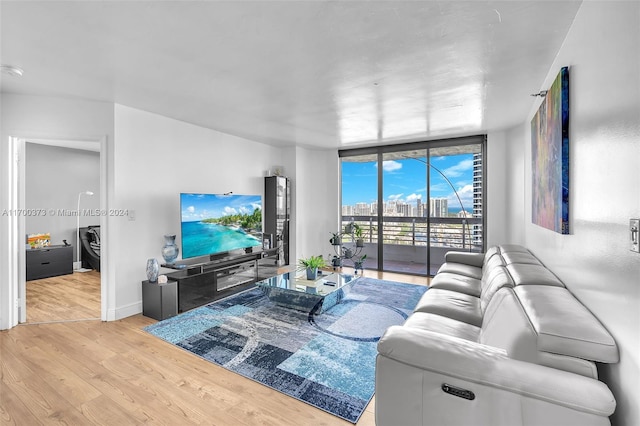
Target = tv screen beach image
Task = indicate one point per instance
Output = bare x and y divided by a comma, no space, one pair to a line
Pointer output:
215,223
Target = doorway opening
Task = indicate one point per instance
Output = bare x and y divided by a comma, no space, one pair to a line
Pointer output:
51,184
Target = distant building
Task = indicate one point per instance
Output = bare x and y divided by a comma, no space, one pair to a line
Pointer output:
362,209
476,230
439,207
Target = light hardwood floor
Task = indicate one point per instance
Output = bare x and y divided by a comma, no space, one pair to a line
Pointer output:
114,373
64,298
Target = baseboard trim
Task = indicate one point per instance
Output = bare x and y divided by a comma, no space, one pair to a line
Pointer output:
125,311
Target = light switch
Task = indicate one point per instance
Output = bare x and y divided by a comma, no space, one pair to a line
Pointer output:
634,233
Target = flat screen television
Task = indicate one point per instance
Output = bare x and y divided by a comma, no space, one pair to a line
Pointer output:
218,223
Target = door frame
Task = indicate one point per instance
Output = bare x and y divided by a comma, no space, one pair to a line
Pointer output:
17,245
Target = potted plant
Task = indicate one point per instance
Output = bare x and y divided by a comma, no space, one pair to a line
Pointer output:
347,253
357,264
349,228
336,262
357,230
335,239
311,265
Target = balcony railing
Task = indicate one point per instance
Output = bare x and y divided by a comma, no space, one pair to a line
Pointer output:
442,232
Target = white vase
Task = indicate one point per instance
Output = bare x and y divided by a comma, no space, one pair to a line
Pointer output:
170,250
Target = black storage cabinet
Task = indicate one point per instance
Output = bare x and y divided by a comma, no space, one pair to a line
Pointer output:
49,262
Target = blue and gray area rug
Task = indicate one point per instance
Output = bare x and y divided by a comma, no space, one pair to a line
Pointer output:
325,360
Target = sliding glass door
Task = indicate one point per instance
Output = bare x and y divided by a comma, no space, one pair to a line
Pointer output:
360,193
415,202
404,217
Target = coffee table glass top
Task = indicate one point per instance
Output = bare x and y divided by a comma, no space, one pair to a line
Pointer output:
296,292
325,284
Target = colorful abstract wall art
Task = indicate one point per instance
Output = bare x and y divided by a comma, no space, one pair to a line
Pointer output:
550,157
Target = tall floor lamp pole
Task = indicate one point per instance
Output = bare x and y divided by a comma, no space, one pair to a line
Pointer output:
78,264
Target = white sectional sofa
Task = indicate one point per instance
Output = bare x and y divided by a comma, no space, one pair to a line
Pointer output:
496,340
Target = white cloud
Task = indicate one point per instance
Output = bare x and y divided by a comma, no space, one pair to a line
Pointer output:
390,166
414,197
395,196
458,169
230,210
191,209
466,196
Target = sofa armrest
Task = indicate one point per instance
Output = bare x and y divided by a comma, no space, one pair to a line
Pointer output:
491,367
466,258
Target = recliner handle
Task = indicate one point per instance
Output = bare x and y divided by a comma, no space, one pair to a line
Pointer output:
459,392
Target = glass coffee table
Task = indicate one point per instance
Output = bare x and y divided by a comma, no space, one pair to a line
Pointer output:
315,297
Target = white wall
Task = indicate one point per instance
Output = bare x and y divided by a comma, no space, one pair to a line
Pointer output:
603,55
515,183
496,183
155,159
318,201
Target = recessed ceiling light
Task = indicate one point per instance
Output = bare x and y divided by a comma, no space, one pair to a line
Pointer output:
11,70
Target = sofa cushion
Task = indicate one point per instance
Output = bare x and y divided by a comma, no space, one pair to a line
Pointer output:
492,262
505,325
451,304
461,269
520,257
456,282
508,248
491,251
496,279
572,364
528,274
468,258
444,325
565,326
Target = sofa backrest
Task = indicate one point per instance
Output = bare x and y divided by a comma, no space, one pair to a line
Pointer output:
547,325
507,325
564,326
494,279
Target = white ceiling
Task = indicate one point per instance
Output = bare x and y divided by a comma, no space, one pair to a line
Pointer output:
322,74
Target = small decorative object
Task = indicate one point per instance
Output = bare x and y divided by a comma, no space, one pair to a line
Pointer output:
170,250
153,268
39,240
162,279
311,265
278,170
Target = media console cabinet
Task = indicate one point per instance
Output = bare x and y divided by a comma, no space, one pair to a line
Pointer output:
201,283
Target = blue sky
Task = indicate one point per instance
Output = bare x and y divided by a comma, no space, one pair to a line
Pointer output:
205,206
406,180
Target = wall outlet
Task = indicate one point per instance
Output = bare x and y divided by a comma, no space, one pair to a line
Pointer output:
634,233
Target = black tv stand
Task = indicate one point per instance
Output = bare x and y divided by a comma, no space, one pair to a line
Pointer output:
220,276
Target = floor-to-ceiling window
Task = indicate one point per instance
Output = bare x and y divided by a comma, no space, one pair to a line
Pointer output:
414,202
